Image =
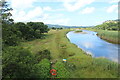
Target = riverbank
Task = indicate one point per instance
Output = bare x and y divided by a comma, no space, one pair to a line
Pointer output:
108,35
79,65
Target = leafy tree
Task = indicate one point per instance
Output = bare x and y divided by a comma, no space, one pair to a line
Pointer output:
23,29
9,34
5,12
37,28
18,63
53,28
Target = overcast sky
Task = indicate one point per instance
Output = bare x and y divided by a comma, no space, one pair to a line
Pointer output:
65,12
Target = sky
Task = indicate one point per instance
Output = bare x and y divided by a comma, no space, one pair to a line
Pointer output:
65,12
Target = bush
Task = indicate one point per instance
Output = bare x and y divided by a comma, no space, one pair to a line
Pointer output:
43,54
18,63
62,72
43,68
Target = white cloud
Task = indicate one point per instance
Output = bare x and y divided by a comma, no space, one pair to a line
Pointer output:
77,4
21,4
56,19
27,16
112,8
113,1
38,15
87,10
47,8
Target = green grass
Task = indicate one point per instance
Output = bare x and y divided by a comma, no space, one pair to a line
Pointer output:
111,36
77,31
78,63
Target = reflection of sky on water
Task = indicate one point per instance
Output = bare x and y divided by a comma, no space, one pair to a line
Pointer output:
93,44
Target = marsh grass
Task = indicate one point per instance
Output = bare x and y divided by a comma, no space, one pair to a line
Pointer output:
111,36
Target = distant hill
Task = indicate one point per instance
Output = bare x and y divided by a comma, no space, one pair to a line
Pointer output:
109,25
63,26
112,21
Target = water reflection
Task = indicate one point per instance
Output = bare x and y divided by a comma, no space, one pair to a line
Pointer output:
92,44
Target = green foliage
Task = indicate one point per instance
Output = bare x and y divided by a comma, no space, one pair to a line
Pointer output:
79,65
10,35
62,72
108,26
54,28
43,54
43,68
14,33
109,31
5,13
31,30
18,63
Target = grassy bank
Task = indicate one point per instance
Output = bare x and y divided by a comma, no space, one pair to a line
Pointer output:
108,35
111,36
79,65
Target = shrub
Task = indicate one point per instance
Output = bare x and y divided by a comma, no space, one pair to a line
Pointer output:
18,63
43,68
43,54
62,72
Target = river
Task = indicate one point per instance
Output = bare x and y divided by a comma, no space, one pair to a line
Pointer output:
92,44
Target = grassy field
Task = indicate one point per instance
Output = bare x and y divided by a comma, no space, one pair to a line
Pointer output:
78,64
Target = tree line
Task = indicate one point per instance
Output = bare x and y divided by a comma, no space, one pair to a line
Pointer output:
16,32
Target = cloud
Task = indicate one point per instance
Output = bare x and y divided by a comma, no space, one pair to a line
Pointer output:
38,15
21,4
47,8
113,1
112,8
77,4
27,16
56,19
87,10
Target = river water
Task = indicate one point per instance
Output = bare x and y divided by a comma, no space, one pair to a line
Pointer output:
92,44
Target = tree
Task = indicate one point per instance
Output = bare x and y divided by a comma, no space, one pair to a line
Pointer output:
23,29
18,63
5,12
9,34
53,28
37,28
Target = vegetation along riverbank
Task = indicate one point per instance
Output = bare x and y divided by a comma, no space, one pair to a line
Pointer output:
30,50
82,65
109,31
